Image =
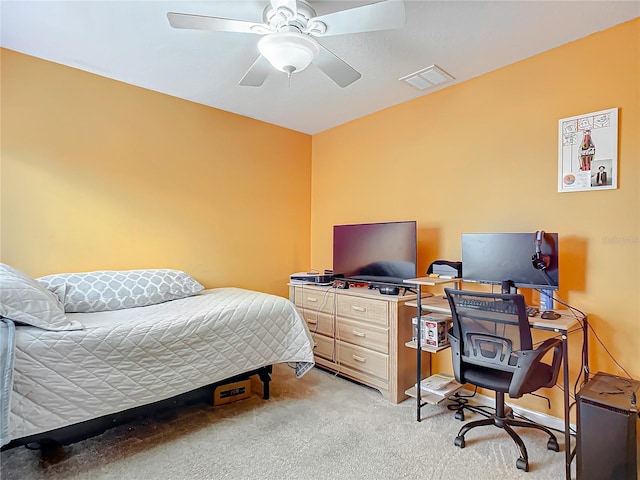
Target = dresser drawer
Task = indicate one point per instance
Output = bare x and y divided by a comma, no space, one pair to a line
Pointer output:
314,301
323,346
367,309
363,335
363,360
318,322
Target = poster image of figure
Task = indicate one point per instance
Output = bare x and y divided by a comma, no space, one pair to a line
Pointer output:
585,143
601,173
587,151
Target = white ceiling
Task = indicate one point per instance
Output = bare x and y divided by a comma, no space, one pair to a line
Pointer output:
132,41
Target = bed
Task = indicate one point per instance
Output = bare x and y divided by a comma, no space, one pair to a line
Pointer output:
114,355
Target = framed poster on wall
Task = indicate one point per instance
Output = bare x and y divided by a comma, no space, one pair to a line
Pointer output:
588,152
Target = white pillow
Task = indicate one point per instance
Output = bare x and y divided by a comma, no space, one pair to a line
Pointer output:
117,289
24,300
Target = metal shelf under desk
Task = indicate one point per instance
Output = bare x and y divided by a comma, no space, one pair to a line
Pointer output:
417,391
425,397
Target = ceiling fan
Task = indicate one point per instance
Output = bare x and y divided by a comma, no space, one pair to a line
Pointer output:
288,34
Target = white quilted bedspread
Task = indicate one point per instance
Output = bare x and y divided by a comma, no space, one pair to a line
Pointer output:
132,357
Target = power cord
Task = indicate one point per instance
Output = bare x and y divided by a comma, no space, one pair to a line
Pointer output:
581,319
460,402
317,310
595,334
543,397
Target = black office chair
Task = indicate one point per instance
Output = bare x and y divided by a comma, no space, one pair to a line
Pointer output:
492,348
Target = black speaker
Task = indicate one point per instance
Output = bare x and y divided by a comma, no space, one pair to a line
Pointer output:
607,437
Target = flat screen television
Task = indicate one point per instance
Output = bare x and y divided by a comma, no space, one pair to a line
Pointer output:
494,258
375,253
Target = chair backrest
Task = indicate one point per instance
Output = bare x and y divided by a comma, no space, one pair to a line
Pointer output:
489,327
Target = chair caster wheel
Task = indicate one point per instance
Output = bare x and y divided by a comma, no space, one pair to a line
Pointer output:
552,444
522,464
459,442
459,415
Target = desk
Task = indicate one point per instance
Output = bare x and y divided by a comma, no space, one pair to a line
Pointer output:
563,326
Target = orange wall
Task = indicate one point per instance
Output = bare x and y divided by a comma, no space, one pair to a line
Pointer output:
97,174
482,156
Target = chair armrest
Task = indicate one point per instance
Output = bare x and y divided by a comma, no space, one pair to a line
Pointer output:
526,361
547,345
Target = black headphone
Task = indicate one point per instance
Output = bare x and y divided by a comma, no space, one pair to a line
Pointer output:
538,260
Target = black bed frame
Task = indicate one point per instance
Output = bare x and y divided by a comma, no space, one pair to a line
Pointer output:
53,439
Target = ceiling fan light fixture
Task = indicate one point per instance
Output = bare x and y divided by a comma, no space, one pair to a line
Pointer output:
289,51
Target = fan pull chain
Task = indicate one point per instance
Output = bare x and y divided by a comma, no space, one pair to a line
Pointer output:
289,70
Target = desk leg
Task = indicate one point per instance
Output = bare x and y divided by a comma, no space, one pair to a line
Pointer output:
569,454
585,357
419,358
567,419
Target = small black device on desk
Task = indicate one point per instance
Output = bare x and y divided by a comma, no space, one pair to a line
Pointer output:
386,290
550,315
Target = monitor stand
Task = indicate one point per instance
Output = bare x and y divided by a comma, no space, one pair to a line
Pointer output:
509,287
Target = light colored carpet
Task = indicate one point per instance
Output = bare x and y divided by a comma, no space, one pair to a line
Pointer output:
317,427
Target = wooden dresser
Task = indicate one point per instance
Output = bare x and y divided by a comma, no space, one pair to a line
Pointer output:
361,335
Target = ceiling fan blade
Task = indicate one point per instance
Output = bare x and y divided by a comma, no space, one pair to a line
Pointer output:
257,73
201,22
336,68
288,4
367,18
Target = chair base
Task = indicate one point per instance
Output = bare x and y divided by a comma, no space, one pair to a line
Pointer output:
461,407
506,422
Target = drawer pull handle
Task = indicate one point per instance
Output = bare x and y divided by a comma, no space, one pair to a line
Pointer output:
312,322
359,334
359,309
311,299
359,359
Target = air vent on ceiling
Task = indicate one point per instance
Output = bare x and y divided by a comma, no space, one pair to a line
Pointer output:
427,77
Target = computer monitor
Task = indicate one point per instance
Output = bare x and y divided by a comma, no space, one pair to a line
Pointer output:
494,258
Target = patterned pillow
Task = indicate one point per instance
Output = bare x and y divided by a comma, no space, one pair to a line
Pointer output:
24,300
114,290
